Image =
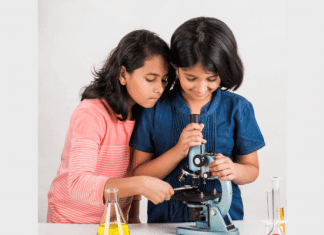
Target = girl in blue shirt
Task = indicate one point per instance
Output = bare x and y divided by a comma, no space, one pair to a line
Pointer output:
207,64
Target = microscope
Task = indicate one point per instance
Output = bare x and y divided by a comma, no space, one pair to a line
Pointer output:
209,209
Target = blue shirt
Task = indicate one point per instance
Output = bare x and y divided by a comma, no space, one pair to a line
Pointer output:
230,129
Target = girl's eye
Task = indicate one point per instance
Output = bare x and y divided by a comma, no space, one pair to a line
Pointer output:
213,78
149,80
190,79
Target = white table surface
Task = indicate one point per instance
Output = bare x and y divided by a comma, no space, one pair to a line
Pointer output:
245,227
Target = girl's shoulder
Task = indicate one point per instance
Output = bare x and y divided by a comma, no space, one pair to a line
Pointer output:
230,102
232,98
92,105
161,108
165,102
92,108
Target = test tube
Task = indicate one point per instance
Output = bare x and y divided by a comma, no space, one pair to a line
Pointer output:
269,205
276,229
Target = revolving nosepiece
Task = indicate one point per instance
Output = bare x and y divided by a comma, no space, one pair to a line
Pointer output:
184,174
185,171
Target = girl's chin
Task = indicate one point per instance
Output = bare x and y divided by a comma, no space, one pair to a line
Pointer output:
149,103
201,96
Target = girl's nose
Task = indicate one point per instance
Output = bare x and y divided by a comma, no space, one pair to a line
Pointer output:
159,87
201,87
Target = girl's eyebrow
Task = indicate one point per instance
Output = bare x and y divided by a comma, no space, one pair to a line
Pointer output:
152,74
155,74
190,75
212,76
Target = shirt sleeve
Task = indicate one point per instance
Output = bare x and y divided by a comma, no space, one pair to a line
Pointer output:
247,136
88,129
141,138
137,197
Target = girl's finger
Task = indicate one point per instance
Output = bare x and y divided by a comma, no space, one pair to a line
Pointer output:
218,168
219,155
194,133
193,138
194,143
192,126
217,162
186,134
226,178
221,173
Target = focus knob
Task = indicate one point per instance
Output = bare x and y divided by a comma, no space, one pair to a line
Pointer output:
206,175
199,160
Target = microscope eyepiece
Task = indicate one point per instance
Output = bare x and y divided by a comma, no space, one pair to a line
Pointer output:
194,118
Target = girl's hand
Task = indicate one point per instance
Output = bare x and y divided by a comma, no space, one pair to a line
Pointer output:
190,136
223,167
154,189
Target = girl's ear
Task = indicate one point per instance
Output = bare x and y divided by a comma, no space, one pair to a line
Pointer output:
122,75
177,72
176,69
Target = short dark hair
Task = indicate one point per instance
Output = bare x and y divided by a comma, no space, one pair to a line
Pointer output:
131,52
210,42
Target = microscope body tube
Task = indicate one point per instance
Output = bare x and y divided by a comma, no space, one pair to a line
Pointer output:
227,192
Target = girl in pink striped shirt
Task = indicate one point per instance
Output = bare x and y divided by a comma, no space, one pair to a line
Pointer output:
96,154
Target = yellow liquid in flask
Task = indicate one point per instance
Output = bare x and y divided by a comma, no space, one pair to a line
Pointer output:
113,229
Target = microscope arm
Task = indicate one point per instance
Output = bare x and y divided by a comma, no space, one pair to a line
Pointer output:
227,191
226,199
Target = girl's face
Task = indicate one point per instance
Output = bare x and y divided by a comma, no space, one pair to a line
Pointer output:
145,85
197,84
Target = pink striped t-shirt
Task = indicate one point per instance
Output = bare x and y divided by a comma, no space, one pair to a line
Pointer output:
96,149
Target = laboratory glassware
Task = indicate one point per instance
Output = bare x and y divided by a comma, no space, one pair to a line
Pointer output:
113,221
276,208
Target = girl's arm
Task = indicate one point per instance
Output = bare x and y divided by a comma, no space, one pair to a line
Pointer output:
244,170
160,167
153,189
247,168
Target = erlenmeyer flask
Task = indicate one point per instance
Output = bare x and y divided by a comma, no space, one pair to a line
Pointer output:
113,221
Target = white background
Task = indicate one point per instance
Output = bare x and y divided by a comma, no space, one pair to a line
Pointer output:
302,98
75,36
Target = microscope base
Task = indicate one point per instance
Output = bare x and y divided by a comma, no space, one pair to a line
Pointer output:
195,231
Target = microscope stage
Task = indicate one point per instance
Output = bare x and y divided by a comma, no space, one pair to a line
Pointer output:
196,196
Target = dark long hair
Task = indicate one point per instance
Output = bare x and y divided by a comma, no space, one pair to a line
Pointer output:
131,52
210,42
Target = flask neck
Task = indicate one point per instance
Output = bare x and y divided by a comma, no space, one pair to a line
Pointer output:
111,195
